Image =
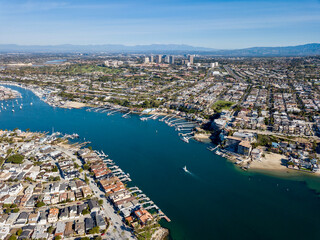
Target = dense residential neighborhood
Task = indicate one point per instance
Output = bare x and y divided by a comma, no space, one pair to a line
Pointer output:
260,113
50,188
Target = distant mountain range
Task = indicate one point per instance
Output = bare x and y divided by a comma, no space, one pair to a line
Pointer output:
300,50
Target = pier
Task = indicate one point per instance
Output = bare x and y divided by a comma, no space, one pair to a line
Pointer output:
127,114
147,203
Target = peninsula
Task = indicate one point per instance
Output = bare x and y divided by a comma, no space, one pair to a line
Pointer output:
52,188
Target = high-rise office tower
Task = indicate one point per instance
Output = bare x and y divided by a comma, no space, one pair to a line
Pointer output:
171,59
190,57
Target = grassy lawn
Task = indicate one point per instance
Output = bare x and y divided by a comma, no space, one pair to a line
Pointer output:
220,105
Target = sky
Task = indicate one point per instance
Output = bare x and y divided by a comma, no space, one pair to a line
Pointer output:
219,24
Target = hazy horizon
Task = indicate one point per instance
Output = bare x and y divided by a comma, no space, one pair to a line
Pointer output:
151,44
220,24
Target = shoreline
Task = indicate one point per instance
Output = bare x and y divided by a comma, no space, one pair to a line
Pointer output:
67,104
267,166
271,166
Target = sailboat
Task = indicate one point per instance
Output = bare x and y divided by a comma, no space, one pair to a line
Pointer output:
185,169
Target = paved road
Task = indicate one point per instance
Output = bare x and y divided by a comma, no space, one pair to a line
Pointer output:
117,229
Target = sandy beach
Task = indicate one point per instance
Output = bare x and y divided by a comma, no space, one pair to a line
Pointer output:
71,104
271,161
202,137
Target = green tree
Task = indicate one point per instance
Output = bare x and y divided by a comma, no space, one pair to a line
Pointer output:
40,204
56,179
19,231
85,211
50,229
86,179
12,237
94,230
16,159
86,166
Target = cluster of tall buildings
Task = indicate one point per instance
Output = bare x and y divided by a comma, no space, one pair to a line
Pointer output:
215,64
168,59
159,59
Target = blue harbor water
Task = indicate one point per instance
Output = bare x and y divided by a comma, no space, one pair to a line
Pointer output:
213,201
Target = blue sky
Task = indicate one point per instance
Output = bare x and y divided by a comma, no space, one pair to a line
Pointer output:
222,24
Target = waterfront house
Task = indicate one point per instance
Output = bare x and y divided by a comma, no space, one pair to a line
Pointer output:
123,194
244,148
143,216
120,203
232,143
256,154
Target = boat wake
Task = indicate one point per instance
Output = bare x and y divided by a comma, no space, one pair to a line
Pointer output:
190,173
